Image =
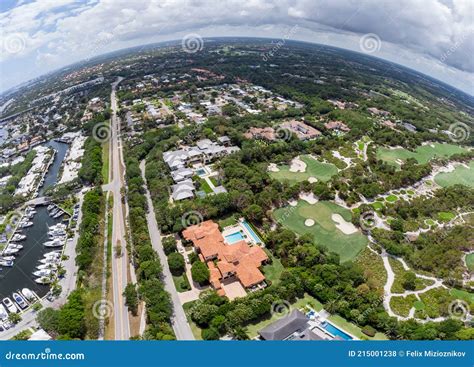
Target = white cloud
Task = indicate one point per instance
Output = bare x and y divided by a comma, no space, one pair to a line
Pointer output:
432,35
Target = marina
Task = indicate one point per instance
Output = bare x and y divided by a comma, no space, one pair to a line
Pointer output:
27,250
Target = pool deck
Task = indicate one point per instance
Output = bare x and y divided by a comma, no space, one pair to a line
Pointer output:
243,227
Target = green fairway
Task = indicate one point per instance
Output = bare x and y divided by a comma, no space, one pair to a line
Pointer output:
324,230
321,171
461,175
422,154
470,261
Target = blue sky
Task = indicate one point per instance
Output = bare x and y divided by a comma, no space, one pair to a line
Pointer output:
435,37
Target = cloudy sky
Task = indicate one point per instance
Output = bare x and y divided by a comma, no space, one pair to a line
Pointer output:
435,37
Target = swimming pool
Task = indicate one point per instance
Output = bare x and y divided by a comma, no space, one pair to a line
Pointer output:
200,172
335,331
234,237
251,232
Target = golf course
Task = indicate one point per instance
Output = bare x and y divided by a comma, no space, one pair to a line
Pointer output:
328,223
311,168
422,154
461,175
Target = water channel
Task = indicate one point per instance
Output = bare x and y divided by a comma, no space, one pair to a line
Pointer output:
20,275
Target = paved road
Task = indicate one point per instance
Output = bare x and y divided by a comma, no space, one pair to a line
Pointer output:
119,264
179,322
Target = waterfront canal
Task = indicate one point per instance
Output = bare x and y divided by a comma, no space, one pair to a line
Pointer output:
20,274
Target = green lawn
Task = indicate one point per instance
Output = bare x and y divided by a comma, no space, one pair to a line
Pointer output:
391,198
321,171
229,221
204,186
324,231
105,162
461,175
377,205
273,271
181,283
445,216
422,154
194,328
461,294
470,261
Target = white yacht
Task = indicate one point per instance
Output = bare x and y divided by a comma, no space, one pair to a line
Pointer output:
20,301
9,305
28,294
10,251
43,280
18,237
3,312
57,242
42,273
8,263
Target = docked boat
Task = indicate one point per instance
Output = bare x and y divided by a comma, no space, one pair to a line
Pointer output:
49,260
3,312
8,258
10,251
28,294
57,242
18,237
51,207
52,255
50,265
53,212
9,305
15,245
8,263
42,273
20,301
58,214
43,280
26,224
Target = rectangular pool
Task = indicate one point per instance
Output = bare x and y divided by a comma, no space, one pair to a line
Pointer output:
234,237
335,331
251,232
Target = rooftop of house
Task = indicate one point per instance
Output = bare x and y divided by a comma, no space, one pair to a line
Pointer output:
238,258
293,326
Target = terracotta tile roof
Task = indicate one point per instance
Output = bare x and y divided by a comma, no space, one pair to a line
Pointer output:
238,258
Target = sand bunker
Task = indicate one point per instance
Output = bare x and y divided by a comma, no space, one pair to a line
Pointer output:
272,167
309,198
344,226
309,222
292,202
312,179
297,165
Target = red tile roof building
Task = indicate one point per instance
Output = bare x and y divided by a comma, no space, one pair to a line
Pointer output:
223,260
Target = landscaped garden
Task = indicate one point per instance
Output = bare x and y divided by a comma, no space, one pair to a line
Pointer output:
470,261
374,270
402,279
339,236
319,170
460,175
422,154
